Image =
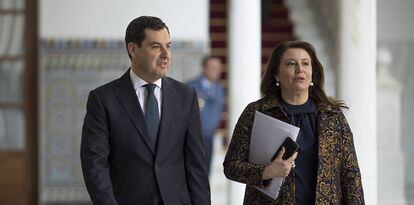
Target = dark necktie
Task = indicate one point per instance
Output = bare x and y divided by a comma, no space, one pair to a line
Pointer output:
152,117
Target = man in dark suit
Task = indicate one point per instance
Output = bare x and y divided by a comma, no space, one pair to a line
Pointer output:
141,138
211,102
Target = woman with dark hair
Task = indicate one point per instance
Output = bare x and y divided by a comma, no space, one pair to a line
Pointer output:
325,168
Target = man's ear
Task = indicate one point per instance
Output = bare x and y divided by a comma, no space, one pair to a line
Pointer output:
132,49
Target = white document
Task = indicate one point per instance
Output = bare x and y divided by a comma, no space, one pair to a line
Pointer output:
268,134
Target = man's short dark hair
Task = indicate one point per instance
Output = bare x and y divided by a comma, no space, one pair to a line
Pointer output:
206,59
135,30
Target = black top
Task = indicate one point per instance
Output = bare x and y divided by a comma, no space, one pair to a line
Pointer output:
304,117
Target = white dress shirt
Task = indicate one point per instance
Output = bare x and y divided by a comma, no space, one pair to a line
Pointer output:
141,91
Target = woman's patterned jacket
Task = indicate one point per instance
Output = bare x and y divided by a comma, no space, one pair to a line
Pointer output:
338,178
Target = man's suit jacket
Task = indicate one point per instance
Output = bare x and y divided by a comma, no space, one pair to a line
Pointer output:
119,164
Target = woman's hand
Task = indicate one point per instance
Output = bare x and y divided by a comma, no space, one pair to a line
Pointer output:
279,167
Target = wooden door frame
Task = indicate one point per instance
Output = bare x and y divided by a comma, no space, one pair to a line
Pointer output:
31,101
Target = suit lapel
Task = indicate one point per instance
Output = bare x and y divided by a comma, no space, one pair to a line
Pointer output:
128,98
167,111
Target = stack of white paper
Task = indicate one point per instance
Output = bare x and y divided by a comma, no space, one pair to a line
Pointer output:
268,134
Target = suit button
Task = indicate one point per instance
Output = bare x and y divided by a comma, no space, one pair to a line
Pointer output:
157,167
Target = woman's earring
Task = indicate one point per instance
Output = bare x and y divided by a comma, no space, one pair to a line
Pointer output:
311,83
277,83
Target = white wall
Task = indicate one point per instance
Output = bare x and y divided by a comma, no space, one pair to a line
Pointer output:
396,32
108,19
395,20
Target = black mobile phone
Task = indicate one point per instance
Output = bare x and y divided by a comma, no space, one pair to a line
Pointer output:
290,148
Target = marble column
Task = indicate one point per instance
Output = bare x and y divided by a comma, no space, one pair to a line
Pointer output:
244,39
356,78
390,158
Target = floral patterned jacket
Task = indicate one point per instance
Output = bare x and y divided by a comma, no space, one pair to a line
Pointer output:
338,178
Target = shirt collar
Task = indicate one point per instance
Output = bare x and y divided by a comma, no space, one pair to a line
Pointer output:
139,82
307,107
272,101
205,82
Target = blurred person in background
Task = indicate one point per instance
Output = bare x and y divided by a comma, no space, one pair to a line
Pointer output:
211,101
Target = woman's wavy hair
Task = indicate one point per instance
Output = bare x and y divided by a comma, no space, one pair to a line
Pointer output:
268,86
